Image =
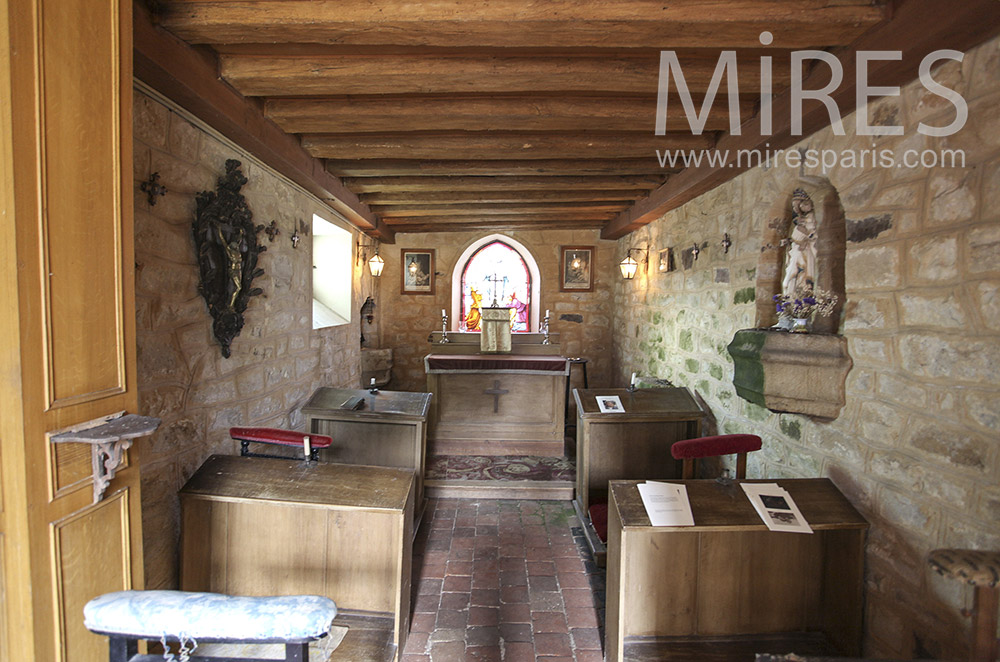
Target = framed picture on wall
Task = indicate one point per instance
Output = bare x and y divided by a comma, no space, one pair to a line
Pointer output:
576,273
417,272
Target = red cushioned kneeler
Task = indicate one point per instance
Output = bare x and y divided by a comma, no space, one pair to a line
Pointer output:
278,437
599,520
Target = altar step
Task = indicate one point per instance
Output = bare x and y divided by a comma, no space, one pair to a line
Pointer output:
553,490
499,477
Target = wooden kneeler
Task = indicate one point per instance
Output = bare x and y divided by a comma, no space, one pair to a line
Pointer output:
191,618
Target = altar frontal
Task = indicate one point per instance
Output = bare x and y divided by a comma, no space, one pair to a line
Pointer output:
483,404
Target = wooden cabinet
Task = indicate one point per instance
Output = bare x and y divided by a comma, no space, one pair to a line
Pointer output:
67,326
389,430
728,585
253,526
634,443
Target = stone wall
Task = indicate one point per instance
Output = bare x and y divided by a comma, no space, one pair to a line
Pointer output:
916,446
583,319
278,359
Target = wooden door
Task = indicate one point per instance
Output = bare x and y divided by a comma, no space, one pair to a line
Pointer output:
67,337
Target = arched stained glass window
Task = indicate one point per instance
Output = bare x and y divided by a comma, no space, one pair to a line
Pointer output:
496,272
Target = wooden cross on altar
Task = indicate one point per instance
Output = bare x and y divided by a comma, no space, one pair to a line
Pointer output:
496,392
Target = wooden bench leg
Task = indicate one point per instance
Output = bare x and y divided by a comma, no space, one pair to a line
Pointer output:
121,649
296,652
986,601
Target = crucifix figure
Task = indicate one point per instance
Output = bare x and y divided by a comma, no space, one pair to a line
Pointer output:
496,392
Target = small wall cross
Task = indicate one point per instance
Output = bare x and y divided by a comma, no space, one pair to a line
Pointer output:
496,392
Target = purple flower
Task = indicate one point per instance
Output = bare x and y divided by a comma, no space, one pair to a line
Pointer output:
810,300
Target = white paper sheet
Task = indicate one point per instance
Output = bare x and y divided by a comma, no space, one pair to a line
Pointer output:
666,504
776,507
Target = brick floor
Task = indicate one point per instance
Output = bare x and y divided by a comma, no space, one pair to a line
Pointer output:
509,581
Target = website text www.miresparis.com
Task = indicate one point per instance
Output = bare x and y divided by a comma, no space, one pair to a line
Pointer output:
825,159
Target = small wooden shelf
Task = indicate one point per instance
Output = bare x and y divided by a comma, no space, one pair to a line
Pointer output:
797,373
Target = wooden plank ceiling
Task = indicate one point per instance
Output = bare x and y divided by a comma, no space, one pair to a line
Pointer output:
453,115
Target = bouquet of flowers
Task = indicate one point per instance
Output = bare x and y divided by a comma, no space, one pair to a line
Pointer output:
805,304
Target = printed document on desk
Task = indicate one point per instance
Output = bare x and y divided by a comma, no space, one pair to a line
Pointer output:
666,504
776,507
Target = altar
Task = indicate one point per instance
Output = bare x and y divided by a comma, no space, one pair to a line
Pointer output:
496,404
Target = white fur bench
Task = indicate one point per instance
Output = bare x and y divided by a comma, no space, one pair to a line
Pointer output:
184,617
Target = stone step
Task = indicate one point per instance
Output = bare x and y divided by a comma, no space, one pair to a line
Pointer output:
499,489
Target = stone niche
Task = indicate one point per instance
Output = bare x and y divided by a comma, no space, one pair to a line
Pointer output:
801,373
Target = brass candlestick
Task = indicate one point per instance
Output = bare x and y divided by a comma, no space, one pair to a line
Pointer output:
444,329
545,330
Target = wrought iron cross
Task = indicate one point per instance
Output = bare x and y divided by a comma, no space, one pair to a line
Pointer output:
495,280
496,392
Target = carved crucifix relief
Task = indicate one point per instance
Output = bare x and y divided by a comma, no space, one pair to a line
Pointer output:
496,392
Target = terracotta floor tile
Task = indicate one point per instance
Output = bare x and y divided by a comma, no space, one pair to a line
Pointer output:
578,597
484,616
553,644
484,635
516,612
457,601
416,642
589,656
447,634
486,580
581,617
516,632
461,554
541,568
549,621
536,583
513,594
449,651
426,603
485,597
483,653
586,638
449,618
513,578
423,622
519,652
410,657
457,583
455,568
429,586
573,580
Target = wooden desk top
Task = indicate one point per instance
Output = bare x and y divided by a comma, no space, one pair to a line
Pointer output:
231,477
395,404
518,363
673,403
726,507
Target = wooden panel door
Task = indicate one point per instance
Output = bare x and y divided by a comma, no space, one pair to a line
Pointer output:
67,350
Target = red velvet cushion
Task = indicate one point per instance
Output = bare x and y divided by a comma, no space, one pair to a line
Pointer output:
278,436
599,518
723,444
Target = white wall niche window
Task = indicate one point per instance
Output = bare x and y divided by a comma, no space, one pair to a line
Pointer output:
331,274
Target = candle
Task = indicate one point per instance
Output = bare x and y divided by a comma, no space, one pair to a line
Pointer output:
442,312
373,381
546,312
307,446
633,379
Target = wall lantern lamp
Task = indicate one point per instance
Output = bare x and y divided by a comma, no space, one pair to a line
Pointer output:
629,266
375,264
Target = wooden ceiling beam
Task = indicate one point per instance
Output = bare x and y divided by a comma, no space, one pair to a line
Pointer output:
375,115
515,209
408,169
451,197
499,145
554,23
480,184
498,225
488,219
190,78
917,28
393,74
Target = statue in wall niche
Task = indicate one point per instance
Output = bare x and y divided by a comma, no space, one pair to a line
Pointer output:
800,261
227,248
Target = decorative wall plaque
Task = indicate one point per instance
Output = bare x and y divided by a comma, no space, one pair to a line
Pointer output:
227,247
